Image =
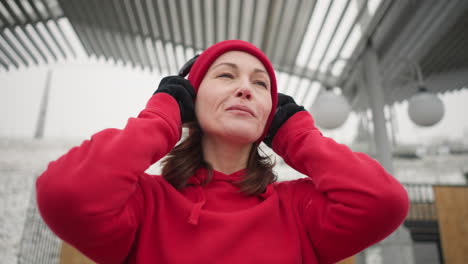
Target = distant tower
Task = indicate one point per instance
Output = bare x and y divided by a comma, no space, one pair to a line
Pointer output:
363,135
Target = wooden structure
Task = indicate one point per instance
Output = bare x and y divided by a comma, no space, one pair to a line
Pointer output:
69,255
350,260
452,213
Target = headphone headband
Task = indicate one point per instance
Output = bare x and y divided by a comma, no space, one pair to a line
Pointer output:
187,66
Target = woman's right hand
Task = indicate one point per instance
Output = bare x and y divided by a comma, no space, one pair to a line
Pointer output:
182,91
285,109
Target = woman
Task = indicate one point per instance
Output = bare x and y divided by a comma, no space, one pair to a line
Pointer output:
217,201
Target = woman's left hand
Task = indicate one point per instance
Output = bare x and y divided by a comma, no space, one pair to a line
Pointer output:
286,108
182,91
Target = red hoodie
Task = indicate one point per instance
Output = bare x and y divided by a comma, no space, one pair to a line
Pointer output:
98,198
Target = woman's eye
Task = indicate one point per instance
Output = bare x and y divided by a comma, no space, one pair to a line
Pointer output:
226,75
261,83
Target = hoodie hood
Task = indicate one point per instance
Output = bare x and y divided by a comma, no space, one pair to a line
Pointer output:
221,193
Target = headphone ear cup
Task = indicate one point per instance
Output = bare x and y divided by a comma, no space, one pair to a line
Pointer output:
187,66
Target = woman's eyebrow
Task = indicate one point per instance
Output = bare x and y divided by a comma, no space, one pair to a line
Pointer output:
260,71
233,65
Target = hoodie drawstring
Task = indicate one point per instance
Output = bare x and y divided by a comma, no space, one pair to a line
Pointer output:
268,192
196,182
198,206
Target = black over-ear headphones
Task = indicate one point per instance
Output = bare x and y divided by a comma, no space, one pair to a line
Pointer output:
187,66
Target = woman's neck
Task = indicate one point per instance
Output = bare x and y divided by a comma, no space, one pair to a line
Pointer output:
224,156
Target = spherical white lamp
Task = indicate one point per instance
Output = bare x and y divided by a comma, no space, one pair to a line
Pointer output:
330,110
425,108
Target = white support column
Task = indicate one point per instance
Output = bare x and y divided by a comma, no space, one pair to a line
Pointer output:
40,125
375,91
398,248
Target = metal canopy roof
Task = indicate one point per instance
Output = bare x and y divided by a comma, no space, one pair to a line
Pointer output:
30,33
312,43
431,34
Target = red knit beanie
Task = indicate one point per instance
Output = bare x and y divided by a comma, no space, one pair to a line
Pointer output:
207,57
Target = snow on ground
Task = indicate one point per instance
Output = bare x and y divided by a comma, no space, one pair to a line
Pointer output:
21,161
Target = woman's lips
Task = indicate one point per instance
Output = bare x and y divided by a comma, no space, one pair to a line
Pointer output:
241,108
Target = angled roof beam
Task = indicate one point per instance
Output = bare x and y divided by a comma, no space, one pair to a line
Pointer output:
139,32
305,72
175,36
13,47
125,25
154,11
239,24
332,37
147,17
169,43
22,26
33,23
117,27
429,29
183,15
274,34
10,58
88,18
109,38
54,19
311,51
191,18
82,32
346,82
44,22
227,15
164,38
17,37
4,64
356,20
292,67
188,37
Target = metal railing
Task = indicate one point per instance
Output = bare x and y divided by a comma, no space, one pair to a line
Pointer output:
422,206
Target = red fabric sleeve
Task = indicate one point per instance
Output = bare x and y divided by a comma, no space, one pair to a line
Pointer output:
90,197
349,201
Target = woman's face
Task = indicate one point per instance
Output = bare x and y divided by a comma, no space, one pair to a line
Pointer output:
234,99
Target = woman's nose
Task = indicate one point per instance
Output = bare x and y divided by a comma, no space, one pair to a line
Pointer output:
244,93
244,89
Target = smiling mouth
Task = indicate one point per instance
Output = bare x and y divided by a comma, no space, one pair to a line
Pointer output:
241,109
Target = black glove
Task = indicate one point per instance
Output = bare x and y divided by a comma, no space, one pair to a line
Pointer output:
182,91
284,110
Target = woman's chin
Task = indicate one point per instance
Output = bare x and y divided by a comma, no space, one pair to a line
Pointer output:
240,131
244,134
